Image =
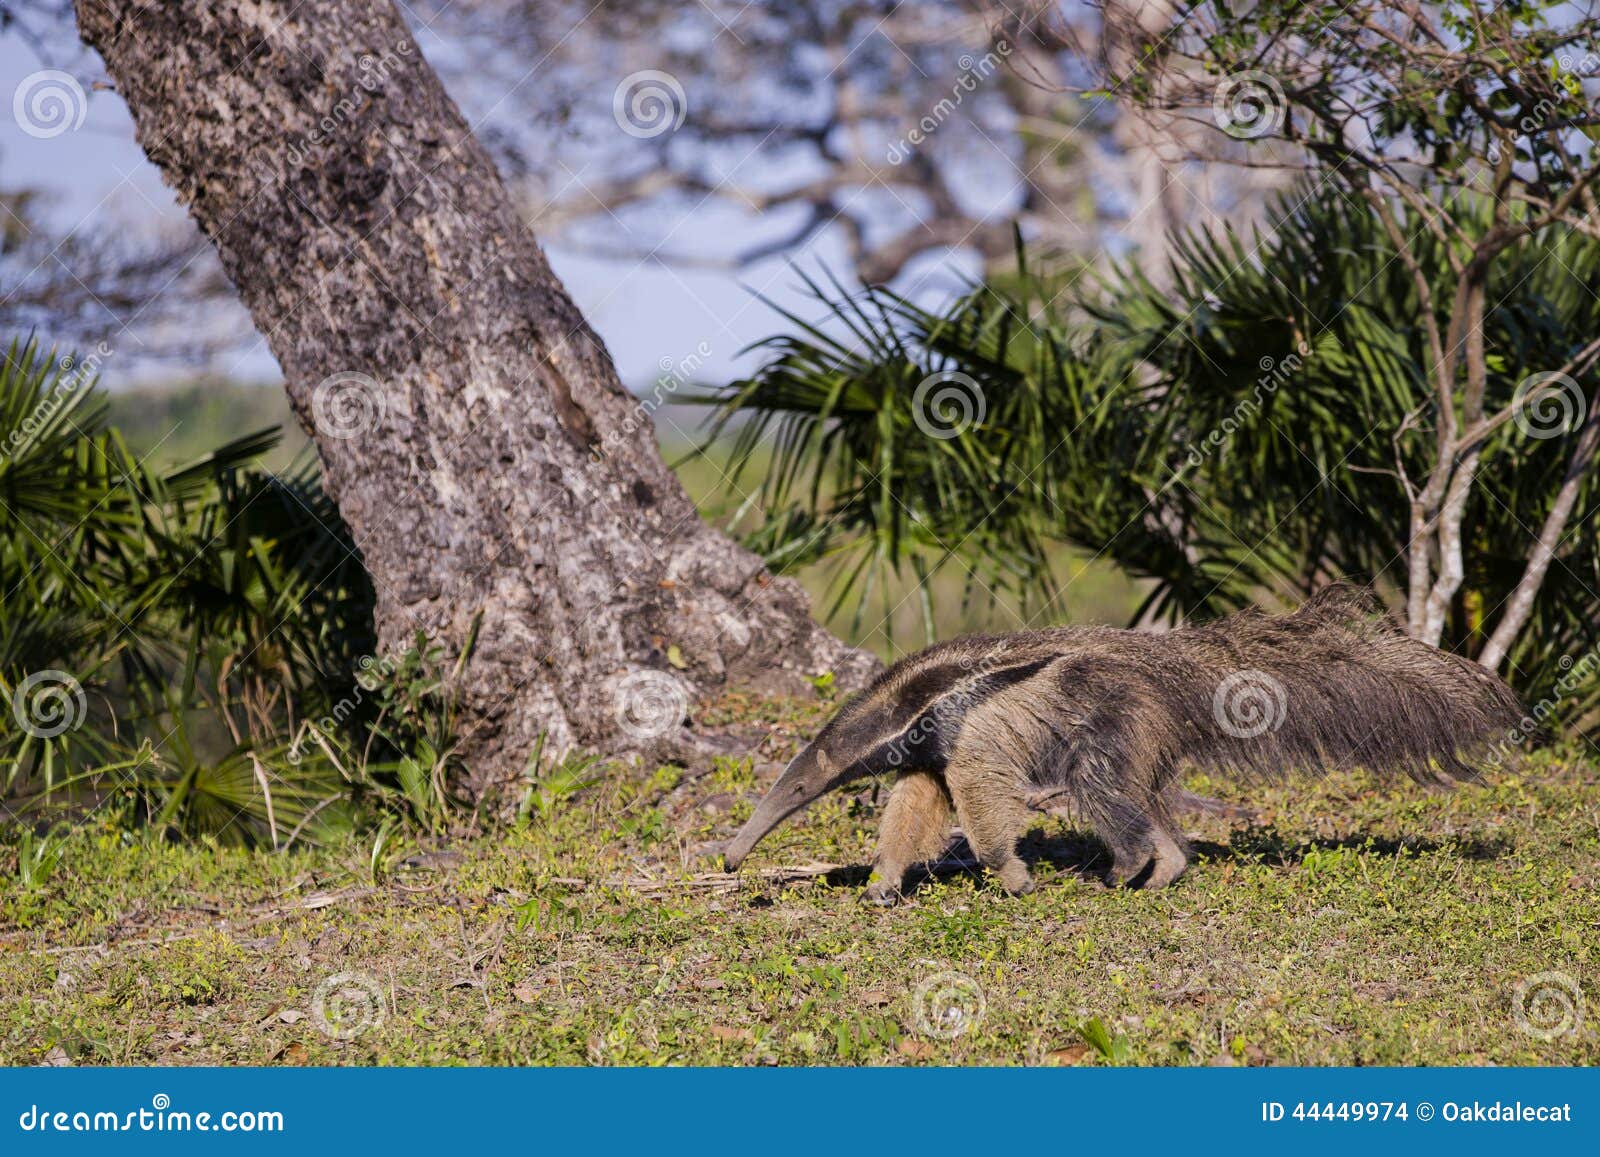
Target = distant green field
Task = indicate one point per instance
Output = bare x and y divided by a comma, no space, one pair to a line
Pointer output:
180,423
177,424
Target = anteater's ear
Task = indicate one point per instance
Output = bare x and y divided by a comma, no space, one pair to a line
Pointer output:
825,765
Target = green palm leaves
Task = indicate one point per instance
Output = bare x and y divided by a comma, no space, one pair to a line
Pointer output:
1238,435
160,632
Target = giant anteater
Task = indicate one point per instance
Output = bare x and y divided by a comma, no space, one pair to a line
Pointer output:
1106,720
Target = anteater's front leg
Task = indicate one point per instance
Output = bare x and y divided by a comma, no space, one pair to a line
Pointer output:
916,824
991,805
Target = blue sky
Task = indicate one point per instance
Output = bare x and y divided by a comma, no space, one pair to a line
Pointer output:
646,312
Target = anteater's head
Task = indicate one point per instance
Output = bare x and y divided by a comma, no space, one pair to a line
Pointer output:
908,718
866,737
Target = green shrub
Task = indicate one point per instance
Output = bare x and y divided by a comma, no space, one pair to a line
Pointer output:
165,635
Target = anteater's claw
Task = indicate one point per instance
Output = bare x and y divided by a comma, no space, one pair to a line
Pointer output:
881,894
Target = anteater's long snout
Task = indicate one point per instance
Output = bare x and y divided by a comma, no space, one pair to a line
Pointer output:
806,778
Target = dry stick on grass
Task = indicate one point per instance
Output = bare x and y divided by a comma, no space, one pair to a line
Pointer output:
728,881
260,915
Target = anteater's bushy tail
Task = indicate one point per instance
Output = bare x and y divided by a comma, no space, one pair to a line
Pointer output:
1336,684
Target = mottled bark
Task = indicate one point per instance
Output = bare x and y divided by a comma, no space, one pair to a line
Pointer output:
471,425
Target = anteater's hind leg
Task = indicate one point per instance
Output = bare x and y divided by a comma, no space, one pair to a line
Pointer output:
1127,831
915,825
994,813
1131,816
1137,841
1171,849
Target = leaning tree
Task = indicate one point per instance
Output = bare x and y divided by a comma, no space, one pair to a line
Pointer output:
505,492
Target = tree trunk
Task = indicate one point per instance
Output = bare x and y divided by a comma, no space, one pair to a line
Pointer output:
1519,606
471,425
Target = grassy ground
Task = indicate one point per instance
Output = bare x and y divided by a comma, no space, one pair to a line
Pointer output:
1346,923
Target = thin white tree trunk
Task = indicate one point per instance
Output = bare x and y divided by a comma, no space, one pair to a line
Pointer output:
1514,616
